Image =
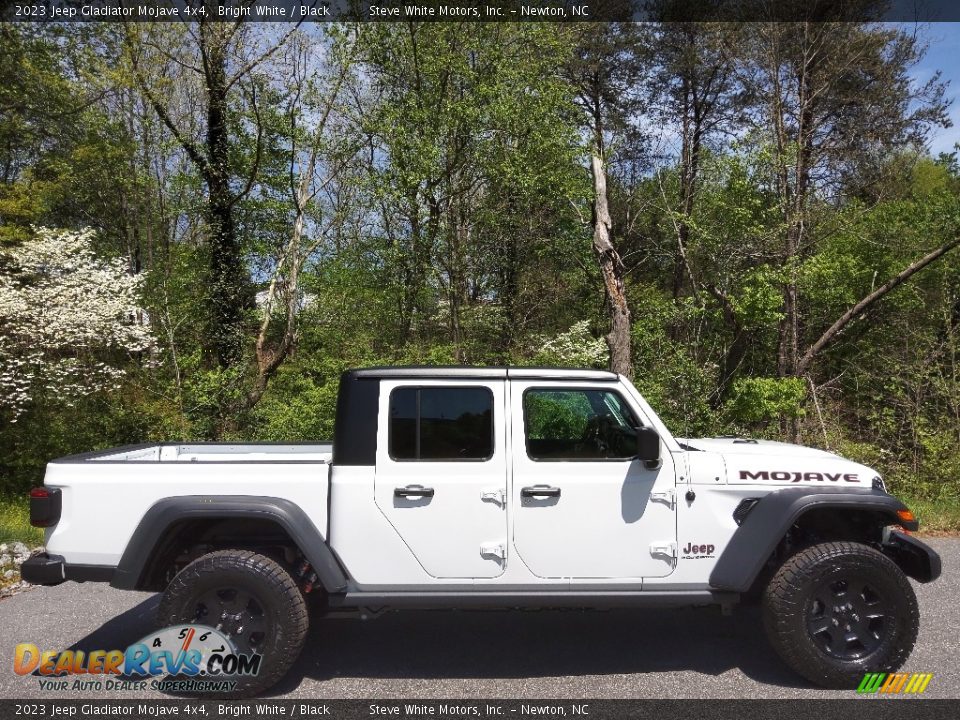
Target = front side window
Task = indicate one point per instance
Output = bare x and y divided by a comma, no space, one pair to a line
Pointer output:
579,425
446,423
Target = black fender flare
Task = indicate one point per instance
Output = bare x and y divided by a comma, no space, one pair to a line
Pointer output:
289,516
769,520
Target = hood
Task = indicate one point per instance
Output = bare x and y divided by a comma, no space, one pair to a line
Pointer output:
743,446
771,463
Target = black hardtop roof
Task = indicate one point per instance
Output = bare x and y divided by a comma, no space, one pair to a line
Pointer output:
466,371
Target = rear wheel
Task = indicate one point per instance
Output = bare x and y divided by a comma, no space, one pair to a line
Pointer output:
838,610
252,600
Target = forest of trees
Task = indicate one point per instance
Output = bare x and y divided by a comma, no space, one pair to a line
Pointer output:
202,225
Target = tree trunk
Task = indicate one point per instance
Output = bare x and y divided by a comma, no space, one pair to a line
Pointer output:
795,204
611,267
227,275
735,353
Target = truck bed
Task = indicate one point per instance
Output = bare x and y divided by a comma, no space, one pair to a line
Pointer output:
211,452
106,493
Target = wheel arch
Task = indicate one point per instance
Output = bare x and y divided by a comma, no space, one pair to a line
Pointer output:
846,512
167,520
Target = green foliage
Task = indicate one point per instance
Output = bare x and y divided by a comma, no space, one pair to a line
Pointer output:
759,299
760,400
668,373
207,391
478,176
301,405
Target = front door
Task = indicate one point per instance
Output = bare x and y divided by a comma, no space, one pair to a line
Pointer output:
582,506
441,474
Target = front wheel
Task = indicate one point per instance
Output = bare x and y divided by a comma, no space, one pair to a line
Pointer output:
838,610
252,600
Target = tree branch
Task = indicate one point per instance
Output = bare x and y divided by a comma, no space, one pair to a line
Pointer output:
188,145
857,310
253,63
255,170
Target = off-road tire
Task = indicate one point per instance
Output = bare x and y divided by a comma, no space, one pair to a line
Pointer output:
276,594
845,573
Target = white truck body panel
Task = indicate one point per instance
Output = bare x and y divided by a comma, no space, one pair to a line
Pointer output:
105,495
611,517
455,533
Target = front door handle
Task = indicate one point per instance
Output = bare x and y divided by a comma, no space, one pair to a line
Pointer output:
413,491
540,491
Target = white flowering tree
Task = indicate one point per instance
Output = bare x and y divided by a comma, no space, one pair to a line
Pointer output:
68,318
574,348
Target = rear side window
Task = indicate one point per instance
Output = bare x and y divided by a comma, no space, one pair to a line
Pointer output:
446,423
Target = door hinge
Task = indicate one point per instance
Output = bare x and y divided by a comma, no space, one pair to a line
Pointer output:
493,550
498,496
669,549
668,496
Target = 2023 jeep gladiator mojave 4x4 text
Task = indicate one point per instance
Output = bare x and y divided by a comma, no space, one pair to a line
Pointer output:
493,487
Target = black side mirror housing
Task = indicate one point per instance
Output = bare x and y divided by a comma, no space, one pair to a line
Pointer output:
648,447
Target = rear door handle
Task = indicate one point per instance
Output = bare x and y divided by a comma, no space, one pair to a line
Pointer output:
540,491
413,491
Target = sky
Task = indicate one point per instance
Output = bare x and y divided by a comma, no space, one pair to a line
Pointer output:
944,55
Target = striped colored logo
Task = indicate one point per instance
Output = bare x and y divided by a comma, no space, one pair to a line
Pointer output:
895,683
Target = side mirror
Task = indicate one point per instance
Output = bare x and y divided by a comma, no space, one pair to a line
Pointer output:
648,447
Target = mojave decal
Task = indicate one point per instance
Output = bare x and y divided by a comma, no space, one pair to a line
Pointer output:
794,476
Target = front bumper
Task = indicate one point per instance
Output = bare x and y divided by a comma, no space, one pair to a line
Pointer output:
918,560
45,569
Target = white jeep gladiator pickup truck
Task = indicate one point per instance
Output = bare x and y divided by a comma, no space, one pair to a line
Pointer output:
493,488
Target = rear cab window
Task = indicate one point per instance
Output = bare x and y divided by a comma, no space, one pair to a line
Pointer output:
441,424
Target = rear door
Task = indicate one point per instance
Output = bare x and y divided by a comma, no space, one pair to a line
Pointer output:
583,507
441,473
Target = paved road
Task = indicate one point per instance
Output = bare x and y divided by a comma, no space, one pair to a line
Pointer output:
557,654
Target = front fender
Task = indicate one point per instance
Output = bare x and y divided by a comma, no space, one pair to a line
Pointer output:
769,520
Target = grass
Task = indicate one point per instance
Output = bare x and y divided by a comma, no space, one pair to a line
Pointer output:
15,526
15,522
937,517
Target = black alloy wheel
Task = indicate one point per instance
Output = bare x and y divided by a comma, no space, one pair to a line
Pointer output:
848,618
237,614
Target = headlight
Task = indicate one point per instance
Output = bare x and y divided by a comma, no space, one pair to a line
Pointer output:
878,484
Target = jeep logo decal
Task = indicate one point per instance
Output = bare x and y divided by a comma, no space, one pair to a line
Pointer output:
697,551
783,476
